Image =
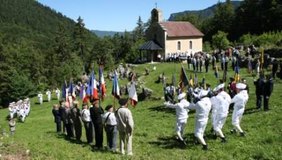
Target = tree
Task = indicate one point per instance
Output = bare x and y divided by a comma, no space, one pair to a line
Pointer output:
79,39
139,31
222,20
220,40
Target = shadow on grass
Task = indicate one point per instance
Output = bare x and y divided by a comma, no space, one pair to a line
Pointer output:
170,142
251,110
162,108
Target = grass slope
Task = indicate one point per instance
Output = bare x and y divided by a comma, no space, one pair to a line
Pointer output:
154,129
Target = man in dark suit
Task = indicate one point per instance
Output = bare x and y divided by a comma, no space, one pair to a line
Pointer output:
57,117
95,112
267,90
259,90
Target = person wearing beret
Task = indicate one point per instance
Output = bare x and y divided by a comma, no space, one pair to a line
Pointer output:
125,126
181,114
110,124
96,116
239,100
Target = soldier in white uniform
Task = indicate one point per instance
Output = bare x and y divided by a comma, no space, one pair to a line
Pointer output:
48,93
58,93
202,107
220,107
239,100
12,109
181,114
40,97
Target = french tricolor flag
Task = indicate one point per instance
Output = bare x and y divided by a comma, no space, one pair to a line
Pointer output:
102,83
92,87
133,94
115,89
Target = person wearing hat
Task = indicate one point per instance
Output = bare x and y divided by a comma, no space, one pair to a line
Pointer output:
76,118
125,125
202,107
220,107
96,116
239,100
110,124
86,119
40,97
181,114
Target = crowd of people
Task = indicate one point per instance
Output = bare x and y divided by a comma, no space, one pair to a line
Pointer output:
18,110
205,100
69,119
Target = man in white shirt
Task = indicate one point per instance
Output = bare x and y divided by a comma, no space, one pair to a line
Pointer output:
239,100
110,124
181,114
85,117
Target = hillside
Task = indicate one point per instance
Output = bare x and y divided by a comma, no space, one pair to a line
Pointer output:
35,41
154,131
105,33
204,13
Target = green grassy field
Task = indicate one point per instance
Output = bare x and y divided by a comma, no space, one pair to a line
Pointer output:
153,136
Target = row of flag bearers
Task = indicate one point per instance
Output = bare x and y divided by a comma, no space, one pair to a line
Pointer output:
217,101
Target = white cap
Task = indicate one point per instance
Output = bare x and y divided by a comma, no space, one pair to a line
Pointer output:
220,86
181,96
203,93
241,86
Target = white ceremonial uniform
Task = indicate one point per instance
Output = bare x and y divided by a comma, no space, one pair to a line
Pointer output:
181,115
40,98
58,93
239,101
221,104
202,107
48,93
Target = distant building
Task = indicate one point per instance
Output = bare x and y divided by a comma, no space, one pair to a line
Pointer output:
174,37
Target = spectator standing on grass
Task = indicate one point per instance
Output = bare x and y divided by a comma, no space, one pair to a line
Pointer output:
110,124
267,90
86,118
96,115
75,116
125,126
57,117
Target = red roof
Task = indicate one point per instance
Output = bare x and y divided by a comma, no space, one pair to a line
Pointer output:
180,29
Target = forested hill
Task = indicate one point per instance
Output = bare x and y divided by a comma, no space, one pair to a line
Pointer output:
39,48
205,13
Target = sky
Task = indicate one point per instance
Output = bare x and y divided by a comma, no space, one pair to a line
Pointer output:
121,15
